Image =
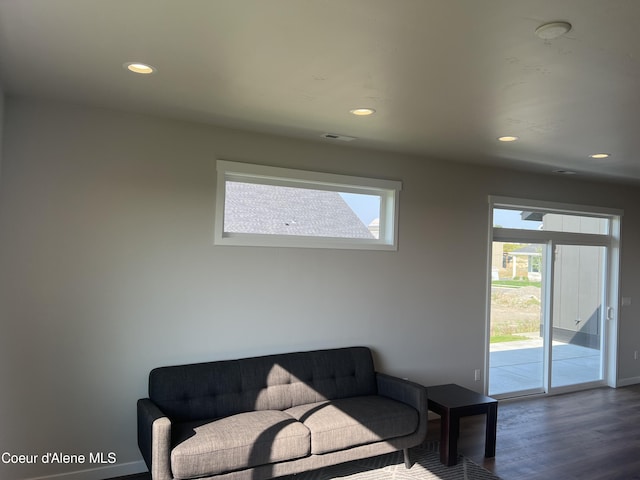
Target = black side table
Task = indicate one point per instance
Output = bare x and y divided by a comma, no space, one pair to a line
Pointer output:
452,402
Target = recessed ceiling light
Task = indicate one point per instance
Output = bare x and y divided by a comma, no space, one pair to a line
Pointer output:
141,68
600,155
362,112
508,138
552,30
564,172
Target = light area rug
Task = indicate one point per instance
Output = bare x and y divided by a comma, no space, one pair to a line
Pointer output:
426,466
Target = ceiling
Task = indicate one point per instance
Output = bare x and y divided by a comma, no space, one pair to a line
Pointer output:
446,77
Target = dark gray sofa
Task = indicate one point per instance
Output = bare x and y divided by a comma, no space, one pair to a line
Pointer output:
263,417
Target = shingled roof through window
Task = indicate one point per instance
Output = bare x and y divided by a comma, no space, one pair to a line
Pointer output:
277,210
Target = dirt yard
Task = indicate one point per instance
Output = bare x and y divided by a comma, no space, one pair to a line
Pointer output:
515,310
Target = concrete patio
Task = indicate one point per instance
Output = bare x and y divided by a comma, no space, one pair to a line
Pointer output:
517,366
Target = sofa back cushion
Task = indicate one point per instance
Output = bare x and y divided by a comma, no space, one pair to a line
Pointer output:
275,382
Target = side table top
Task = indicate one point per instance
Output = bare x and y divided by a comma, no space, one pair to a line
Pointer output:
454,396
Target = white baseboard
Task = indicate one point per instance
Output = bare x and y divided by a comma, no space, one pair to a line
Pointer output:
99,473
625,382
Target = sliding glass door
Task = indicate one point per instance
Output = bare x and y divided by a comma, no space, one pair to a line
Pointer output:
517,318
578,314
550,287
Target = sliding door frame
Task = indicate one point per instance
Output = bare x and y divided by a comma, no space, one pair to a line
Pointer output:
551,239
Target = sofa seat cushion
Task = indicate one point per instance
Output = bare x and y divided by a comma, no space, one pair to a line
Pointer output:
349,422
236,442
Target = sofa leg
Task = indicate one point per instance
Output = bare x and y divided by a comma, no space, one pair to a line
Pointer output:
407,459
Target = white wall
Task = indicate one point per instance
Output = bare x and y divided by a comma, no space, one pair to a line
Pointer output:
108,269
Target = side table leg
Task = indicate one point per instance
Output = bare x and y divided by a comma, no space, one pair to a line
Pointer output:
449,432
491,429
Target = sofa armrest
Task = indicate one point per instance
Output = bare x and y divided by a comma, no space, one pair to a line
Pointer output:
154,439
410,393
403,391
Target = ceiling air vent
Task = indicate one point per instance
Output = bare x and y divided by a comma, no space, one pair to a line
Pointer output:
335,136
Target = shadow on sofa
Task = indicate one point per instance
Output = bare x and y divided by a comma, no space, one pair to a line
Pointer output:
263,417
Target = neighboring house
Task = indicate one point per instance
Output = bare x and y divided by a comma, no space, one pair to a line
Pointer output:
374,227
529,256
274,210
525,261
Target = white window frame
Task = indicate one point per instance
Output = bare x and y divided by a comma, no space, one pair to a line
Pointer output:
386,190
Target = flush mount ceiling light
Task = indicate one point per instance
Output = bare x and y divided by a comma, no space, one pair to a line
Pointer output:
141,68
552,30
508,138
362,112
600,155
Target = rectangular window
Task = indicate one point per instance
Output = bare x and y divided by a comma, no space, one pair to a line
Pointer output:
268,206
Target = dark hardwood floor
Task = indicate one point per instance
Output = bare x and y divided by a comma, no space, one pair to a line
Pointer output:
588,435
